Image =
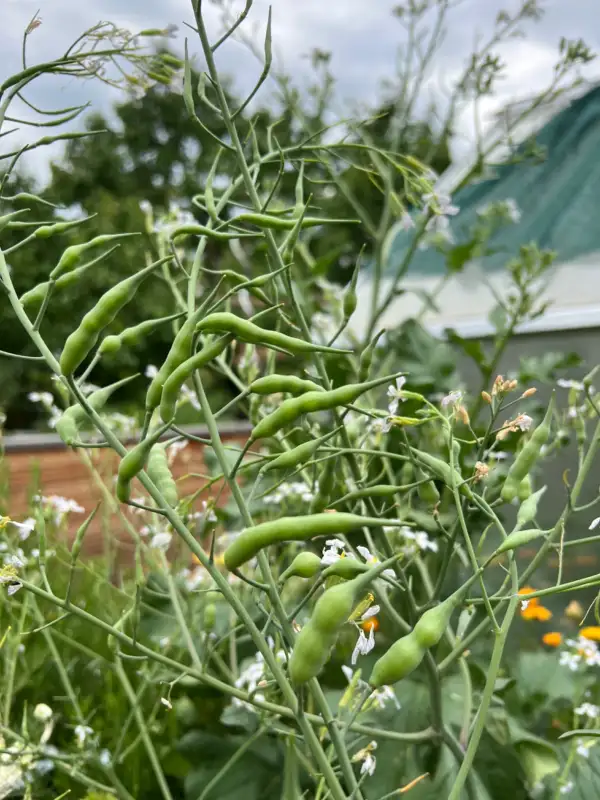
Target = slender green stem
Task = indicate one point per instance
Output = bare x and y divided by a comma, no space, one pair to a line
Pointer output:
244,747
145,733
11,663
486,698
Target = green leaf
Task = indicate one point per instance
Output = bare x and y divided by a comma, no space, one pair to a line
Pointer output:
540,674
470,347
537,762
460,255
545,368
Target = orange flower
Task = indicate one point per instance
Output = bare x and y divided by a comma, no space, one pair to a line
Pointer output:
552,639
371,624
592,633
528,590
536,612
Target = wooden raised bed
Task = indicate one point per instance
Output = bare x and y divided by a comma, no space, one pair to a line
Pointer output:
40,463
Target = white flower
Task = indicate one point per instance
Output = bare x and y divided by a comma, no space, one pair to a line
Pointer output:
166,703
567,788
407,223
245,302
371,559
451,399
368,765
524,422
151,371
524,604
177,82
566,383
440,203
43,766
381,696
24,527
208,512
81,733
382,425
395,394
594,523
333,551
370,612
512,210
161,541
14,588
174,449
368,759
588,710
363,646
420,539
570,660
105,758
582,749
42,712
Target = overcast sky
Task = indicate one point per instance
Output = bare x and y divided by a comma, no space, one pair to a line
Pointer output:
362,35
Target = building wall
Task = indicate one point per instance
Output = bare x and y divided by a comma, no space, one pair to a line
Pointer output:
465,301
41,464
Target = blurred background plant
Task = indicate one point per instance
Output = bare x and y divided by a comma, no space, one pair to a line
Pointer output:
184,705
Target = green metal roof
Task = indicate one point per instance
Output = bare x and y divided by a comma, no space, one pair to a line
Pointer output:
559,198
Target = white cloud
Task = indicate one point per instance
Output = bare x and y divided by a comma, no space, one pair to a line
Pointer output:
362,35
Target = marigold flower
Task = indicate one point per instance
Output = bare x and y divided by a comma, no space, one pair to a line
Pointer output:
592,632
552,639
536,612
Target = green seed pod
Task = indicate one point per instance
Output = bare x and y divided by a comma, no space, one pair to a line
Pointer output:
6,218
431,627
300,454
246,331
366,358
427,492
304,565
312,649
528,456
383,490
311,402
159,473
133,335
79,536
210,617
326,487
68,423
331,612
273,384
295,529
442,471
71,255
525,488
46,231
133,463
346,568
528,508
180,351
350,299
173,382
407,473
402,658
282,224
518,539
83,339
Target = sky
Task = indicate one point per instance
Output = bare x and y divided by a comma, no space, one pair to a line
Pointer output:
362,35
